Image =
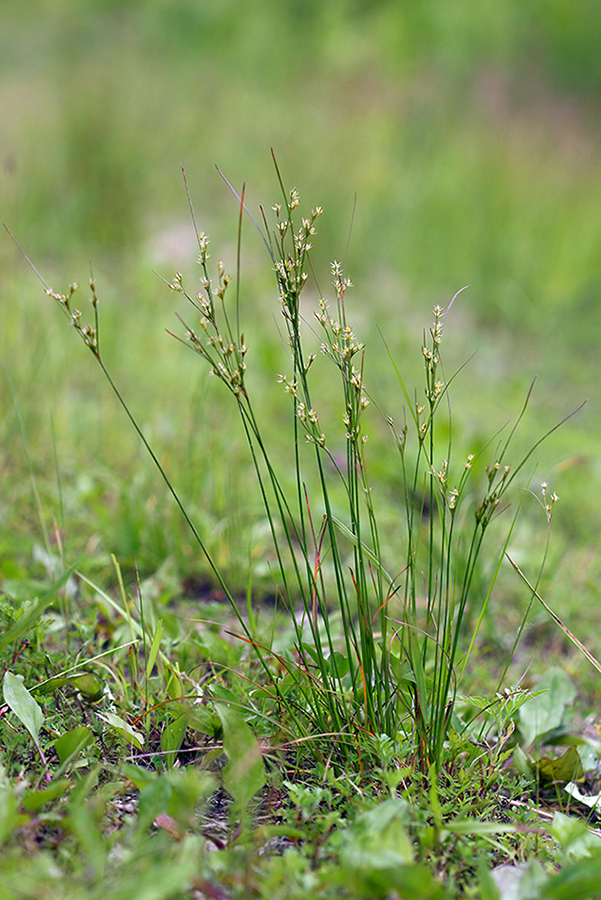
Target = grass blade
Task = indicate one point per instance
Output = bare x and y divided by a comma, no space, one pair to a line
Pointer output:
569,634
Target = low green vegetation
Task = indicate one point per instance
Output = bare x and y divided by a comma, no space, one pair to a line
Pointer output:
333,636
332,741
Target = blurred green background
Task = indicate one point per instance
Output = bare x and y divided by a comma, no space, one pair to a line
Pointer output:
469,132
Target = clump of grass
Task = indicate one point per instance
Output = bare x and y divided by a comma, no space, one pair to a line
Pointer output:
370,684
381,644
377,673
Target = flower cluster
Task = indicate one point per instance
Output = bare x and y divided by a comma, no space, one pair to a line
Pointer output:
548,502
341,346
223,350
88,333
434,387
292,247
496,489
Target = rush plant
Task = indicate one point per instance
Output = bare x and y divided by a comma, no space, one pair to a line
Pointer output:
381,644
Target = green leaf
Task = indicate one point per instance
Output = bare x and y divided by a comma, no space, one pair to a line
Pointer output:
580,881
588,757
23,705
139,776
124,730
315,656
400,669
219,692
376,856
83,787
88,685
544,712
173,683
189,787
72,742
34,800
244,773
154,800
574,837
53,684
154,648
522,762
378,839
337,664
566,768
200,718
173,737
85,682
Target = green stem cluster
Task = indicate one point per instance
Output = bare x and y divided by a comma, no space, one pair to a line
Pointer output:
390,659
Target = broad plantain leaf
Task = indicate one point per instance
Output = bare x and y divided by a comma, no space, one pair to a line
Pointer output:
565,768
544,712
23,705
70,743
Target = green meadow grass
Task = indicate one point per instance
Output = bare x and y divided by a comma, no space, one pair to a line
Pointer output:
469,139
338,723
470,145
